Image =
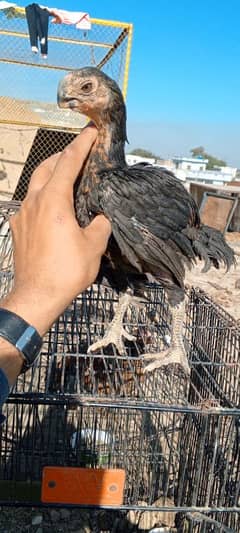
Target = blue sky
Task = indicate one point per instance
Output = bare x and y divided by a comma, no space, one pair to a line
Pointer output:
184,82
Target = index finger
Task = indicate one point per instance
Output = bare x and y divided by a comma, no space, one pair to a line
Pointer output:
71,161
42,174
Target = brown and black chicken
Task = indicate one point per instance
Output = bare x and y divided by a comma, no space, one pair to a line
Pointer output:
156,228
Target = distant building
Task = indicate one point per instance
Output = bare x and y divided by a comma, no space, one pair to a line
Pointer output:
212,177
166,163
189,168
133,159
190,163
227,170
194,169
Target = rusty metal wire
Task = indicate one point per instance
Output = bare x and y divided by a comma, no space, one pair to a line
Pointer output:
178,441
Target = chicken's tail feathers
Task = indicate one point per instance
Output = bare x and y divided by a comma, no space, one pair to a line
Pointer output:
210,246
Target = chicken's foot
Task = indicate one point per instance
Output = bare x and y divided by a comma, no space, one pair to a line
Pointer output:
116,332
176,353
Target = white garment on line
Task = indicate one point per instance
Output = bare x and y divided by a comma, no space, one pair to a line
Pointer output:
6,5
80,19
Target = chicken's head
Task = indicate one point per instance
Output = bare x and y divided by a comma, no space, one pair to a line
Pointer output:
91,92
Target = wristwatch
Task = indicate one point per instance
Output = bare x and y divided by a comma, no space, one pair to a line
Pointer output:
22,335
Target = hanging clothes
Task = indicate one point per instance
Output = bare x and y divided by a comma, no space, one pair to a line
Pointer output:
79,18
38,21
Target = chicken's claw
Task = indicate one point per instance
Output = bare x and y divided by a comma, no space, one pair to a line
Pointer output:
171,356
114,336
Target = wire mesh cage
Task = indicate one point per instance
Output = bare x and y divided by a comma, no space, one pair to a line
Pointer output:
35,146
28,88
28,92
177,440
45,143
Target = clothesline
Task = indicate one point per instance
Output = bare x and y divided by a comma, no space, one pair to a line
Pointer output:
38,22
78,18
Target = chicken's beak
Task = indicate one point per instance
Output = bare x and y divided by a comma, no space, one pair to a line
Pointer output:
65,100
61,97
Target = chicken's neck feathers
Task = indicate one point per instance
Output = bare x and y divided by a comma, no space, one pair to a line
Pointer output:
108,150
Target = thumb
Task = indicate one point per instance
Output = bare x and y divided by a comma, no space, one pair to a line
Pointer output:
71,161
98,233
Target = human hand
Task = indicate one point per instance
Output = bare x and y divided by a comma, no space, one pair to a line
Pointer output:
54,258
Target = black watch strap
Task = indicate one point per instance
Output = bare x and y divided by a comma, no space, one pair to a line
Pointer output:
22,335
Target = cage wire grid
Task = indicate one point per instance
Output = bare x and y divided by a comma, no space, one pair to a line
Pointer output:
28,92
178,441
23,97
46,142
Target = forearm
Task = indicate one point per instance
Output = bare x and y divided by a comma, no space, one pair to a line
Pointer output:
36,307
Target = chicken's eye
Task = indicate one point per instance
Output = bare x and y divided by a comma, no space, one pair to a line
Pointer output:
87,87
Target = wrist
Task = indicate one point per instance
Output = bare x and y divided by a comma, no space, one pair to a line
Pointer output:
31,306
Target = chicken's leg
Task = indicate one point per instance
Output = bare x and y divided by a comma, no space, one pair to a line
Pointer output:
116,332
176,353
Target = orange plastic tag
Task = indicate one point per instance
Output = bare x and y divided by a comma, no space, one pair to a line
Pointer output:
86,486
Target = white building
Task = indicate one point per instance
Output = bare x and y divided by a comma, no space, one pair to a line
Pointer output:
189,168
194,169
212,177
227,170
190,163
133,159
166,163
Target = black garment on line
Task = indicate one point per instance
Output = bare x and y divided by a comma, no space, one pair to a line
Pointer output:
38,19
